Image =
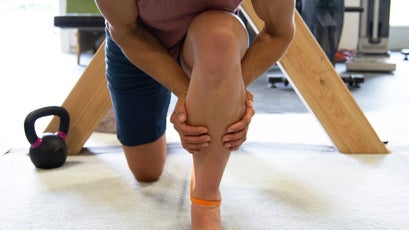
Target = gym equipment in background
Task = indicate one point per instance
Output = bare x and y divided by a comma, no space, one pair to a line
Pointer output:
49,151
372,49
405,53
325,19
91,30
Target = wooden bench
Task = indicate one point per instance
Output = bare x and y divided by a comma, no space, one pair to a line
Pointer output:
90,28
306,66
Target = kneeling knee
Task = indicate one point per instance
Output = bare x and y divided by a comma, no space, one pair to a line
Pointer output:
144,176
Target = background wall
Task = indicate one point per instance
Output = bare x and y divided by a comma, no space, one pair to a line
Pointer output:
69,36
349,37
81,6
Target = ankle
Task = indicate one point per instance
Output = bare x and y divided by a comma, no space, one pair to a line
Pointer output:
206,194
205,217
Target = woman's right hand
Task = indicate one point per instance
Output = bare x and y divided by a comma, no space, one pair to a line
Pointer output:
193,138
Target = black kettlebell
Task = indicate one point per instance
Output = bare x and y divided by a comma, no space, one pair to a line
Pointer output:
49,151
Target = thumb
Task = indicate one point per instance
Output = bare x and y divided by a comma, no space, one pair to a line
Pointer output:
181,117
181,108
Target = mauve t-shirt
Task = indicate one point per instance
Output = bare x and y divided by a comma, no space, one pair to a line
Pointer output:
168,20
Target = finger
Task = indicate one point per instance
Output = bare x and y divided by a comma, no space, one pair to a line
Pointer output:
244,122
197,140
234,145
193,131
193,149
250,106
234,136
235,149
233,141
250,103
196,147
193,144
237,127
249,96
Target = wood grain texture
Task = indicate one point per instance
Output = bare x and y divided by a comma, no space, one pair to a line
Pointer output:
87,104
323,91
306,66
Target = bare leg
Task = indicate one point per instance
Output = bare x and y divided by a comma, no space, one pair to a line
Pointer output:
215,43
147,161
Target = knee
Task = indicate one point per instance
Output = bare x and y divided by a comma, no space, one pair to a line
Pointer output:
219,40
143,172
220,49
146,175
146,167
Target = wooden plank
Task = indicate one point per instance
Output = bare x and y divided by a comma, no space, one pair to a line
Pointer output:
323,91
87,103
305,65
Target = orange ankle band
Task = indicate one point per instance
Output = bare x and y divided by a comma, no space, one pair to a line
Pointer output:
209,203
194,200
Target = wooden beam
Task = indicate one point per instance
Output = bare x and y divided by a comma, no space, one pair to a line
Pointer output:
87,103
323,91
305,64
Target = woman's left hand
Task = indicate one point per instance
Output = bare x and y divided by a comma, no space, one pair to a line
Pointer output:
236,134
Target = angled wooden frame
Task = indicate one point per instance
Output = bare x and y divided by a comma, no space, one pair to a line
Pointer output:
306,66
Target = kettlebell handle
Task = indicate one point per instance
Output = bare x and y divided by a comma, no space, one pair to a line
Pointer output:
29,123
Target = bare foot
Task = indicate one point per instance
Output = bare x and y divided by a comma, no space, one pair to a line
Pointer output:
205,217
